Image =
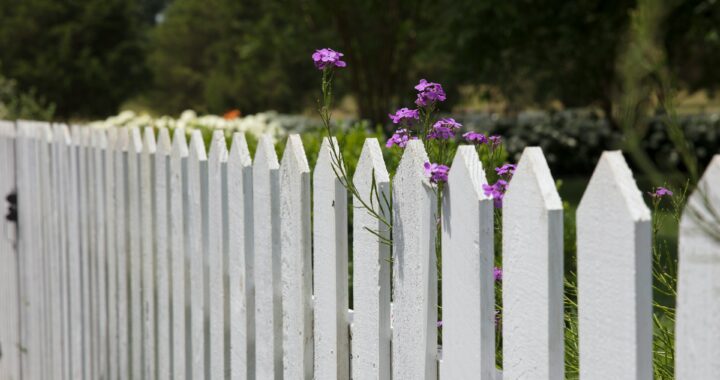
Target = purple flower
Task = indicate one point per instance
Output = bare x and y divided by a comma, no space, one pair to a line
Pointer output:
429,93
506,169
497,273
444,129
661,192
476,138
495,140
327,58
439,324
437,173
399,138
496,191
404,114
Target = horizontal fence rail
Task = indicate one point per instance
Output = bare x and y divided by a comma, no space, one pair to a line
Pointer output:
137,254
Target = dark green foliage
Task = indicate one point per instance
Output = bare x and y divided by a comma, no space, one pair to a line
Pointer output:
85,56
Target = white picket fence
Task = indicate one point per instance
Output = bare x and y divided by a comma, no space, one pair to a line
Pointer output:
138,257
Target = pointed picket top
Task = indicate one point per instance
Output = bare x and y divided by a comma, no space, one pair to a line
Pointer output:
101,139
122,143
614,275
697,330
239,152
613,176
74,134
532,268
371,161
218,147
149,143
111,136
45,132
414,342
294,157
296,259
197,146
179,143
330,267
85,137
135,142
468,287
164,145
7,129
371,268
265,156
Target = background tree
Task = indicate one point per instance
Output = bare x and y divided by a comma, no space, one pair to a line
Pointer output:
86,57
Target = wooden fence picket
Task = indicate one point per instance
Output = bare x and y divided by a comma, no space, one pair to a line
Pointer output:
60,154
698,302
100,268
147,250
532,273
330,268
217,161
9,291
241,286
122,240
371,267
179,248
111,253
162,252
197,229
468,302
134,252
296,259
414,319
614,275
268,307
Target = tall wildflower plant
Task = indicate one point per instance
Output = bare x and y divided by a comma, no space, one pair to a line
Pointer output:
440,138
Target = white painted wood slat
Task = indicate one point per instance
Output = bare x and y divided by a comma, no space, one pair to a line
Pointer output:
74,258
698,304
414,320
241,287
162,252
330,268
614,275
296,258
179,247
533,337
147,237
9,291
197,220
135,253
122,202
111,253
268,307
371,268
100,147
468,302
216,270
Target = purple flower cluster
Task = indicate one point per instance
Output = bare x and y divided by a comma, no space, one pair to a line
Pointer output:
399,138
497,274
437,173
495,140
328,58
496,191
444,129
404,115
661,192
475,138
429,93
506,170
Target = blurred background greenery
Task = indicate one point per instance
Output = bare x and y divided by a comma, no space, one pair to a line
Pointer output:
575,77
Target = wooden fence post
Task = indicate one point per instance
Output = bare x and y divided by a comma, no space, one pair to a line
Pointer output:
296,258
532,273
468,328
241,284
122,240
180,249
371,267
697,332
268,307
614,275
414,338
147,250
330,268
162,252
